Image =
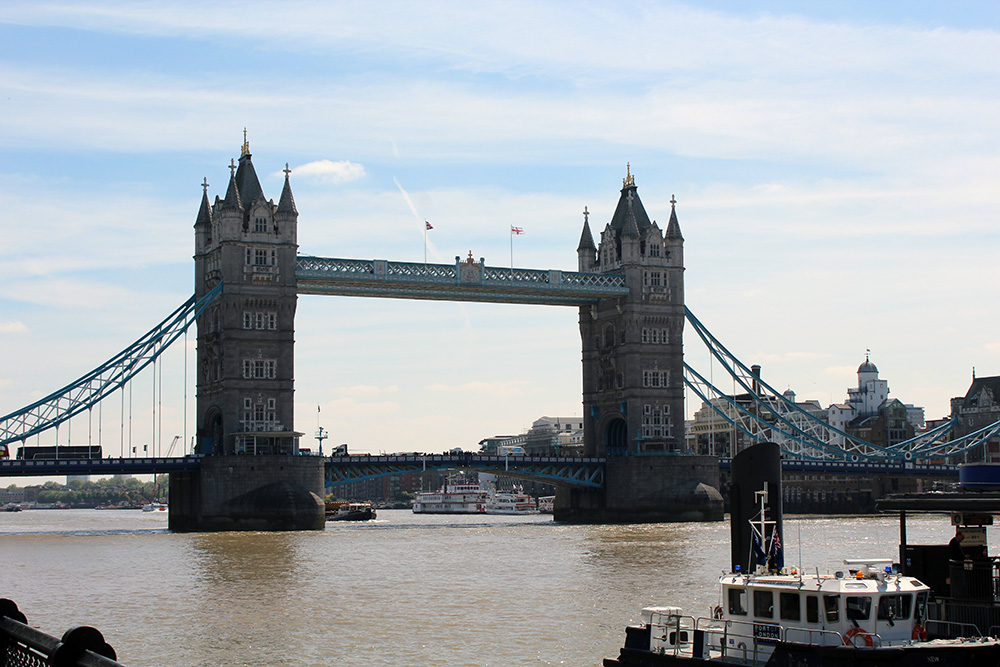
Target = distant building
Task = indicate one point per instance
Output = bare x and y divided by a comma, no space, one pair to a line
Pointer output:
870,415
555,436
978,408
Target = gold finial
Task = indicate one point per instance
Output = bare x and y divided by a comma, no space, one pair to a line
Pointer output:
470,260
629,180
246,144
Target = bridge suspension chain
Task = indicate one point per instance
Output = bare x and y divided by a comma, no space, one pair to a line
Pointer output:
90,389
769,415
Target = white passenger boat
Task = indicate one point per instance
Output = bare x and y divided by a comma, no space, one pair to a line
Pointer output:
546,504
453,498
511,502
782,617
154,507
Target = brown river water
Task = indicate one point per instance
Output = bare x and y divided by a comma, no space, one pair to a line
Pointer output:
403,590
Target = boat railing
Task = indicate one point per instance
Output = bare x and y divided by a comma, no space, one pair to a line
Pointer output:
942,628
21,644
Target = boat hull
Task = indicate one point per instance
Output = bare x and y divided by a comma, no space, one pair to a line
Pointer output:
362,515
957,654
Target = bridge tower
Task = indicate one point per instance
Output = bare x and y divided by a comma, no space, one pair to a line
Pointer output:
245,383
633,377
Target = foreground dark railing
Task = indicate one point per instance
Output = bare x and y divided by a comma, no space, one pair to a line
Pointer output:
20,644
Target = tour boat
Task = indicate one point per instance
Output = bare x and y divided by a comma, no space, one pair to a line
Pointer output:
350,512
511,502
546,504
782,617
453,498
154,507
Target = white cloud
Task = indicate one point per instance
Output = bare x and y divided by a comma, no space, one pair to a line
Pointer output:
342,171
13,327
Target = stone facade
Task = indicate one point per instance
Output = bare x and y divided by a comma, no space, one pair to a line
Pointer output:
246,336
979,408
633,383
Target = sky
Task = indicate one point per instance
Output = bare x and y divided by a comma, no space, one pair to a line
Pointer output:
835,166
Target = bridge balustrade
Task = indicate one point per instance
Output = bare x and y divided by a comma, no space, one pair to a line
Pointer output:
23,645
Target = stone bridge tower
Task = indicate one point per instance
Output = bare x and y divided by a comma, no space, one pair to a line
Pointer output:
251,477
246,337
633,377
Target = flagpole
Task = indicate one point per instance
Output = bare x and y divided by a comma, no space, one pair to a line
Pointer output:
511,251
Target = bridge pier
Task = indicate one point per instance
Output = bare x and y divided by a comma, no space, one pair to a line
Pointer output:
647,489
243,492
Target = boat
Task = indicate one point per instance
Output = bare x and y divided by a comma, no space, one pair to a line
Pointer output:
452,498
546,504
771,615
350,512
11,507
154,507
511,502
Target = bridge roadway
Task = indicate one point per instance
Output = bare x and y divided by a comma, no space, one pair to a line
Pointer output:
557,470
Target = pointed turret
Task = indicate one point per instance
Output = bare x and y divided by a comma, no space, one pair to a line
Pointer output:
205,212
286,204
246,180
586,252
630,214
232,201
673,227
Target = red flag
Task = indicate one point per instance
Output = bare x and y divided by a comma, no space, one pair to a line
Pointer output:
428,225
516,230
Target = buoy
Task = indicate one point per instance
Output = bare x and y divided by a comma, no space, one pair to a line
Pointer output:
858,632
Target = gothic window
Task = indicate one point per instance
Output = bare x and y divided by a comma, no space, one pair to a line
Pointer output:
655,337
260,224
259,369
609,336
654,250
260,257
645,335
260,319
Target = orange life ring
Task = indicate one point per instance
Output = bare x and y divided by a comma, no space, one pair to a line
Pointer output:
919,632
858,632
717,613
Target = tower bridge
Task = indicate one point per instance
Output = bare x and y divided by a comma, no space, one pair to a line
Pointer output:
629,291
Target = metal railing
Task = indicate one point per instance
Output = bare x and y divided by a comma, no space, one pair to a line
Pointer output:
23,645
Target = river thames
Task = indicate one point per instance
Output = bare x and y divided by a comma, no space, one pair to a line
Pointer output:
405,589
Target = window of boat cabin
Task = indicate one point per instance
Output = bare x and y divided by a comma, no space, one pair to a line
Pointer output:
812,609
894,607
921,608
763,604
859,607
737,601
789,608
831,606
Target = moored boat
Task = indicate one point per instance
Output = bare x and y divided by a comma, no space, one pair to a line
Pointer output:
452,498
511,502
546,504
350,512
783,617
154,507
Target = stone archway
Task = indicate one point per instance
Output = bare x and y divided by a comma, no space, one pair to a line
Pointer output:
616,437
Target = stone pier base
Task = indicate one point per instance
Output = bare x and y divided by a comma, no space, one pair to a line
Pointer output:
647,489
249,493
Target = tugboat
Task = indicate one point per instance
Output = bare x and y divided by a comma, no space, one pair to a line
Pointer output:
350,512
781,617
